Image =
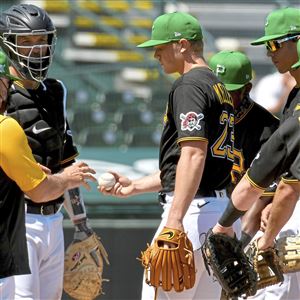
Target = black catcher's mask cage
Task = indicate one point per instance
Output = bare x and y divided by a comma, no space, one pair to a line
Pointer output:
28,20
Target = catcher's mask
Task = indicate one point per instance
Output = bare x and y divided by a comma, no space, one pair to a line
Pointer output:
28,20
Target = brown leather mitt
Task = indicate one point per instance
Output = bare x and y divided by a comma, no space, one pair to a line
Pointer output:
288,248
266,265
169,262
84,267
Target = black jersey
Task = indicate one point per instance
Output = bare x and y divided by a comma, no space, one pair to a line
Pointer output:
280,155
18,170
13,252
199,109
282,159
253,126
41,113
291,103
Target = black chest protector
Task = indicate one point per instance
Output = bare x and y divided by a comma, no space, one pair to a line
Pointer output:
41,113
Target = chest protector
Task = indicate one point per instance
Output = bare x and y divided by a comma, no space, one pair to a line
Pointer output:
41,113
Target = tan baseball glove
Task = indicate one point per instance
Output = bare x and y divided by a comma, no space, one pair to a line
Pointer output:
266,265
84,267
289,253
170,266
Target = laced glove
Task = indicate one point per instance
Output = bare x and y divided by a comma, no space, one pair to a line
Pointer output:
266,264
169,262
224,256
83,265
288,248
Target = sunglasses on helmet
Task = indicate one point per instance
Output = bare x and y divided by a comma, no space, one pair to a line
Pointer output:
274,45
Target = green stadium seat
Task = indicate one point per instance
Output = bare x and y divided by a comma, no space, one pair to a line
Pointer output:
103,136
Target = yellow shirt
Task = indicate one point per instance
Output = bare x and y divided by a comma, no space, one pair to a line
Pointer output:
16,158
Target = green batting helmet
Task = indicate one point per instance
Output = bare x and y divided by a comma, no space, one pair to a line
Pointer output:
4,68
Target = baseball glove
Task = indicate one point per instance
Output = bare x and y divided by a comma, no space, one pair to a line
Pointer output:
84,267
266,264
229,264
289,253
170,266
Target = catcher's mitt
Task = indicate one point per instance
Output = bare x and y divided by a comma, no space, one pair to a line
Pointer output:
266,264
229,264
289,253
170,267
84,267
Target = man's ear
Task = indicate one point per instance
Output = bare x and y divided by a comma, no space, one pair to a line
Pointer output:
184,44
248,87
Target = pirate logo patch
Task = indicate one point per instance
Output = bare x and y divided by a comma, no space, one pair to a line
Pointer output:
190,121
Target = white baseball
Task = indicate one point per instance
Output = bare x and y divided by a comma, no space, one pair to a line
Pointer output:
107,180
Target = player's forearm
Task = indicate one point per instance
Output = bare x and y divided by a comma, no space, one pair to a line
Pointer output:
147,184
243,196
51,188
283,206
251,220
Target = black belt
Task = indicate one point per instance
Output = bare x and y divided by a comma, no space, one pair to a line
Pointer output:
45,210
204,194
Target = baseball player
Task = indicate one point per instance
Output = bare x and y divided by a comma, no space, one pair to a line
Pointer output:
28,37
253,126
279,156
196,152
20,173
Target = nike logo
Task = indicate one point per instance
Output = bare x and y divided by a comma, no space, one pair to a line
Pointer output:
169,233
37,131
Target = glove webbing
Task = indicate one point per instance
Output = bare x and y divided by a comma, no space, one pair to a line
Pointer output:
269,256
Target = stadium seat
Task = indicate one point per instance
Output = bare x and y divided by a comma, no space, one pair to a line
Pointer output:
61,6
102,136
93,39
145,136
132,118
143,5
88,22
89,5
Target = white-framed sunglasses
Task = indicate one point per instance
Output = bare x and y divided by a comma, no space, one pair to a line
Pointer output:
274,45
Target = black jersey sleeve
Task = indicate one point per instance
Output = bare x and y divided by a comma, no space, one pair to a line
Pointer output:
278,156
295,169
189,112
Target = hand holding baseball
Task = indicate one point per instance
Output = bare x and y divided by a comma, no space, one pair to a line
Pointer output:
114,184
107,180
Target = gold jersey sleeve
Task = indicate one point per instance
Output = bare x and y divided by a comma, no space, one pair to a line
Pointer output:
16,158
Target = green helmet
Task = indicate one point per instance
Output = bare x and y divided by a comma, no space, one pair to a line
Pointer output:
4,68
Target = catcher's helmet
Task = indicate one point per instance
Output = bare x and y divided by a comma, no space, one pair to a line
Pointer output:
27,20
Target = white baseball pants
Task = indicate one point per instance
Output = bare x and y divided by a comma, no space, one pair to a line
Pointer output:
45,243
199,218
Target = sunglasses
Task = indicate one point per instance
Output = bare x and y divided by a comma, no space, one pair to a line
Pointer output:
274,45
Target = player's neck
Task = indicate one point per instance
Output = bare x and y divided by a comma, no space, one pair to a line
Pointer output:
296,75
